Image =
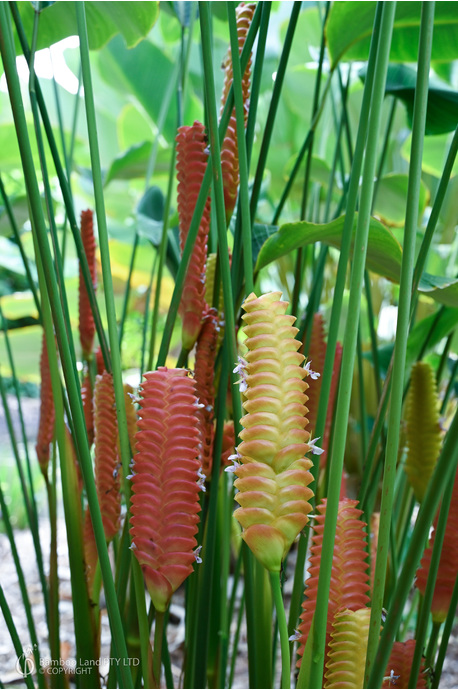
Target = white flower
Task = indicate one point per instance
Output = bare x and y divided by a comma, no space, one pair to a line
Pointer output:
295,637
313,447
196,553
241,369
313,374
201,480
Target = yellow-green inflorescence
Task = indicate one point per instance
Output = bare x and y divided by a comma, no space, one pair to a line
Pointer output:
270,465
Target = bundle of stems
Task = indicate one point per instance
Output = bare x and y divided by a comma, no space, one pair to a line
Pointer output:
151,516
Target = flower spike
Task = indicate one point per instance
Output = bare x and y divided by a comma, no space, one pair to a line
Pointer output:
192,155
47,411
273,478
165,490
86,318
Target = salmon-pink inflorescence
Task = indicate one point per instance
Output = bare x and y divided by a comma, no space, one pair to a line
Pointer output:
205,384
448,565
106,457
229,148
272,471
192,155
165,489
397,672
86,318
349,579
47,412
88,407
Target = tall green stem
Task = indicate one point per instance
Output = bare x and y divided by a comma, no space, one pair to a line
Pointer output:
402,328
283,628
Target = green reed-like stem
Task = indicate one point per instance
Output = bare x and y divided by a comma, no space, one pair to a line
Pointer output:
242,151
422,624
268,129
444,473
349,346
125,304
5,609
283,629
402,327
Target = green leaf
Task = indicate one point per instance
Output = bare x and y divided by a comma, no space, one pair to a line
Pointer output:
442,108
134,162
259,234
133,20
349,31
435,150
384,252
443,290
390,203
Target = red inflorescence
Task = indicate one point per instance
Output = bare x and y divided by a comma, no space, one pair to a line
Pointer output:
106,456
397,672
88,407
228,443
192,155
349,579
165,488
90,551
229,149
205,376
86,318
448,565
47,411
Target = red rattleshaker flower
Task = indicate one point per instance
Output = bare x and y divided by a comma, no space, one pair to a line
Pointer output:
349,579
106,458
448,564
229,149
205,378
192,155
397,672
88,407
86,318
165,487
47,411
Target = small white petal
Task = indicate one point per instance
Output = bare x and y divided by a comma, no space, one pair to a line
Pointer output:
295,637
133,547
315,450
196,553
313,374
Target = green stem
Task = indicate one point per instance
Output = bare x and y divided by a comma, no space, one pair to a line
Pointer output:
444,472
157,655
349,347
283,628
15,639
402,327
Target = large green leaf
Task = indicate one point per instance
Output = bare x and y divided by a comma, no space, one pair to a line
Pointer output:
349,31
435,150
133,20
384,252
390,203
442,110
134,162
443,290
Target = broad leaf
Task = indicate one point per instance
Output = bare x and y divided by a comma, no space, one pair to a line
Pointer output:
134,162
443,290
435,150
442,109
133,20
349,30
384,252
390,203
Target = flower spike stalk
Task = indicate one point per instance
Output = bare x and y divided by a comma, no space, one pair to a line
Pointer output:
165,490
423,432
272,471
86,318
192,155
229,149
107,461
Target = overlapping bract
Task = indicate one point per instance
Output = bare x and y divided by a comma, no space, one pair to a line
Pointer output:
349,578
106,457
423,432
204,375
273,477
192,155
229,148
347,655
448,565
47,412
86,318
399,666
165,503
